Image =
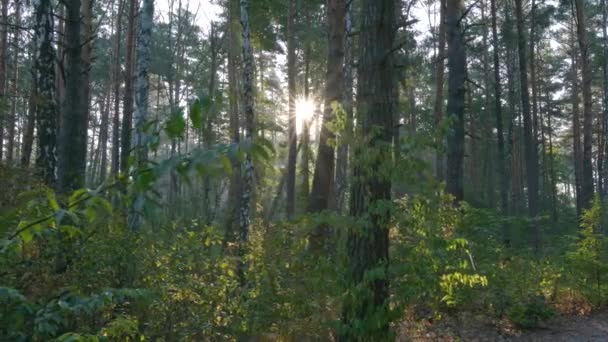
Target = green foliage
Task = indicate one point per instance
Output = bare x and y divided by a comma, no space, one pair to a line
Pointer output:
531,312
588,261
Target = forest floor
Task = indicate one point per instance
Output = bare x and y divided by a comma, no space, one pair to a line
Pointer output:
590,328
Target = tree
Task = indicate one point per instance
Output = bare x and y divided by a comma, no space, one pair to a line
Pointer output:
456,88
12,118
234,196
116,83
144,41
127,111
291,126
576,126
587,166
605,97
367,243
439,80
530,150
73,121
248,102
3,61
322,183
501,165
45,103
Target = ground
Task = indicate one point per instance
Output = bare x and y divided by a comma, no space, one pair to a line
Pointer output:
590,328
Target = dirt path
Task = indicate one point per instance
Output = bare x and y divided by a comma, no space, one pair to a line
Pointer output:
593,328
590,328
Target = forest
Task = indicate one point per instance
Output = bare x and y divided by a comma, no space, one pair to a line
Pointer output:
303,170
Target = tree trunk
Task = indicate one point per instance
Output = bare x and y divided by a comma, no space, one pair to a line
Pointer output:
248,102
28,135
587,167
322,182
12,119
140,149
127,116
73,122
455,110
44,80
234,195
3,62
291,131
576,129
342,162
367,244
87,49
604,175
439,80
116,82
501,165
530,151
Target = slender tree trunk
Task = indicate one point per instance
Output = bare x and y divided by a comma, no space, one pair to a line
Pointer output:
532,63
367,244
208,129
305,139
144,58
322,182
127,116
248,110
291,80
501,165
234,195
44,80
103,134
28,135
577,151
116,81
3,62
73,131
87,51
12,119
456,106
531,153
604,175
342,162
439,80
587,167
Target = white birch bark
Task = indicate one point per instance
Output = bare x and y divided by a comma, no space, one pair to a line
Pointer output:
143,59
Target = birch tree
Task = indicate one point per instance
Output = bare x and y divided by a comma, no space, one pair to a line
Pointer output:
144,42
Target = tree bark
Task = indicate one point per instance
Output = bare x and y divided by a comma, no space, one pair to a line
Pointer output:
439,80
587,166
576,129
12,118
144,58
248,110
291,130
322,182
3,62
530,151
127,116
456,106
604,175
367,244
116,83
501,165
45,103
28,135
73,121
234,195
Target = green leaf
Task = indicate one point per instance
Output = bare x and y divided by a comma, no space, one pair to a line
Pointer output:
196,114
176,126
52,201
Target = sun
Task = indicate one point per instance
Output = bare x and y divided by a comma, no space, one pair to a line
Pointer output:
305,112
